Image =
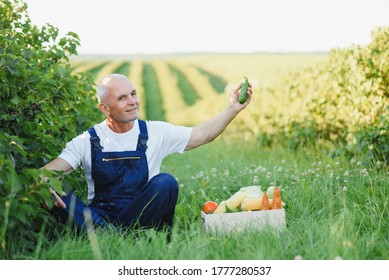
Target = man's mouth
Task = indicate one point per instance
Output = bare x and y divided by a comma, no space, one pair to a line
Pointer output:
131,110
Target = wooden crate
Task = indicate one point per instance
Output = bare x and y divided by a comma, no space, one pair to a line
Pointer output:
239,221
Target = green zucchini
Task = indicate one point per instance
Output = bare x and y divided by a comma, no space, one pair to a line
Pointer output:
243,90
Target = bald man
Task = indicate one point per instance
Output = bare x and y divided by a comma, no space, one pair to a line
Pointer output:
121,158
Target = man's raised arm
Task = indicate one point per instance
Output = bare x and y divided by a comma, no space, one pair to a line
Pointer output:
207,131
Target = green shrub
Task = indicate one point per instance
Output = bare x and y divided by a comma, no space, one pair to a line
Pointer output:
40,106
343,101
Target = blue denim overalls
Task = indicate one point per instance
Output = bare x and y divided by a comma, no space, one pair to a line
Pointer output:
123,195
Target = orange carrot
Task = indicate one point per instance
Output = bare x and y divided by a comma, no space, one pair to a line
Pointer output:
265,202
276,198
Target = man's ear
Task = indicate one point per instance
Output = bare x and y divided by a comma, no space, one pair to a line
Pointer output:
104,108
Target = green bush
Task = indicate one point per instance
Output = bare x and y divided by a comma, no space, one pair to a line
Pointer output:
343,101
40,106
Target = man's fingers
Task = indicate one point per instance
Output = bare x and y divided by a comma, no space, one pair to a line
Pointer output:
59,202
238,88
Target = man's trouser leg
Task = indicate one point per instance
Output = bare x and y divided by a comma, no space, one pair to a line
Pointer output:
154,206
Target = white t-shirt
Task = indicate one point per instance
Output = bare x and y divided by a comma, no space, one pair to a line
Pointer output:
164,139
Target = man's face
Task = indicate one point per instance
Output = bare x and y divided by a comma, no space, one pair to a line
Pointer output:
121,102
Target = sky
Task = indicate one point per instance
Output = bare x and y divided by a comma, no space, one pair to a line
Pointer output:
118,27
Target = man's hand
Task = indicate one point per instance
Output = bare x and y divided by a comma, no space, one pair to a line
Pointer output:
207,131
58,201
234,97
57,164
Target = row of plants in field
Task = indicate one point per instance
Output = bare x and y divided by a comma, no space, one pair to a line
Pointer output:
95,70
189,94
123,69
171,94
217,82
153,97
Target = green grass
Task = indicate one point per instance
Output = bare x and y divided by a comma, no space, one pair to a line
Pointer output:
335,208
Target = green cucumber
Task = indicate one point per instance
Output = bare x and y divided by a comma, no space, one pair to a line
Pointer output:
243,90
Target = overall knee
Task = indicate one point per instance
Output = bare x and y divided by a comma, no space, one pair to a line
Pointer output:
165,183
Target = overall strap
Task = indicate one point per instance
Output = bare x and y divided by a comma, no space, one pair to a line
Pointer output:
94,139
95,147
143,136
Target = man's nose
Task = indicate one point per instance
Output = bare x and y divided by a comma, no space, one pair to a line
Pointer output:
131,100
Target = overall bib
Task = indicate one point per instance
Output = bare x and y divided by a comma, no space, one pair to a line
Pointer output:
123,195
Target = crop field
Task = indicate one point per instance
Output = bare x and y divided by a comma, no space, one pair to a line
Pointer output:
188,89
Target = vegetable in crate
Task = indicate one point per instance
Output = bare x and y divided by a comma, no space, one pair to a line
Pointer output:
209,207
222,208
270,191
265,202
252,191
251,204
277,204
234,201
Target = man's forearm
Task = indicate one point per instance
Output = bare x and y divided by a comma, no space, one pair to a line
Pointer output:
58,164
208,131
